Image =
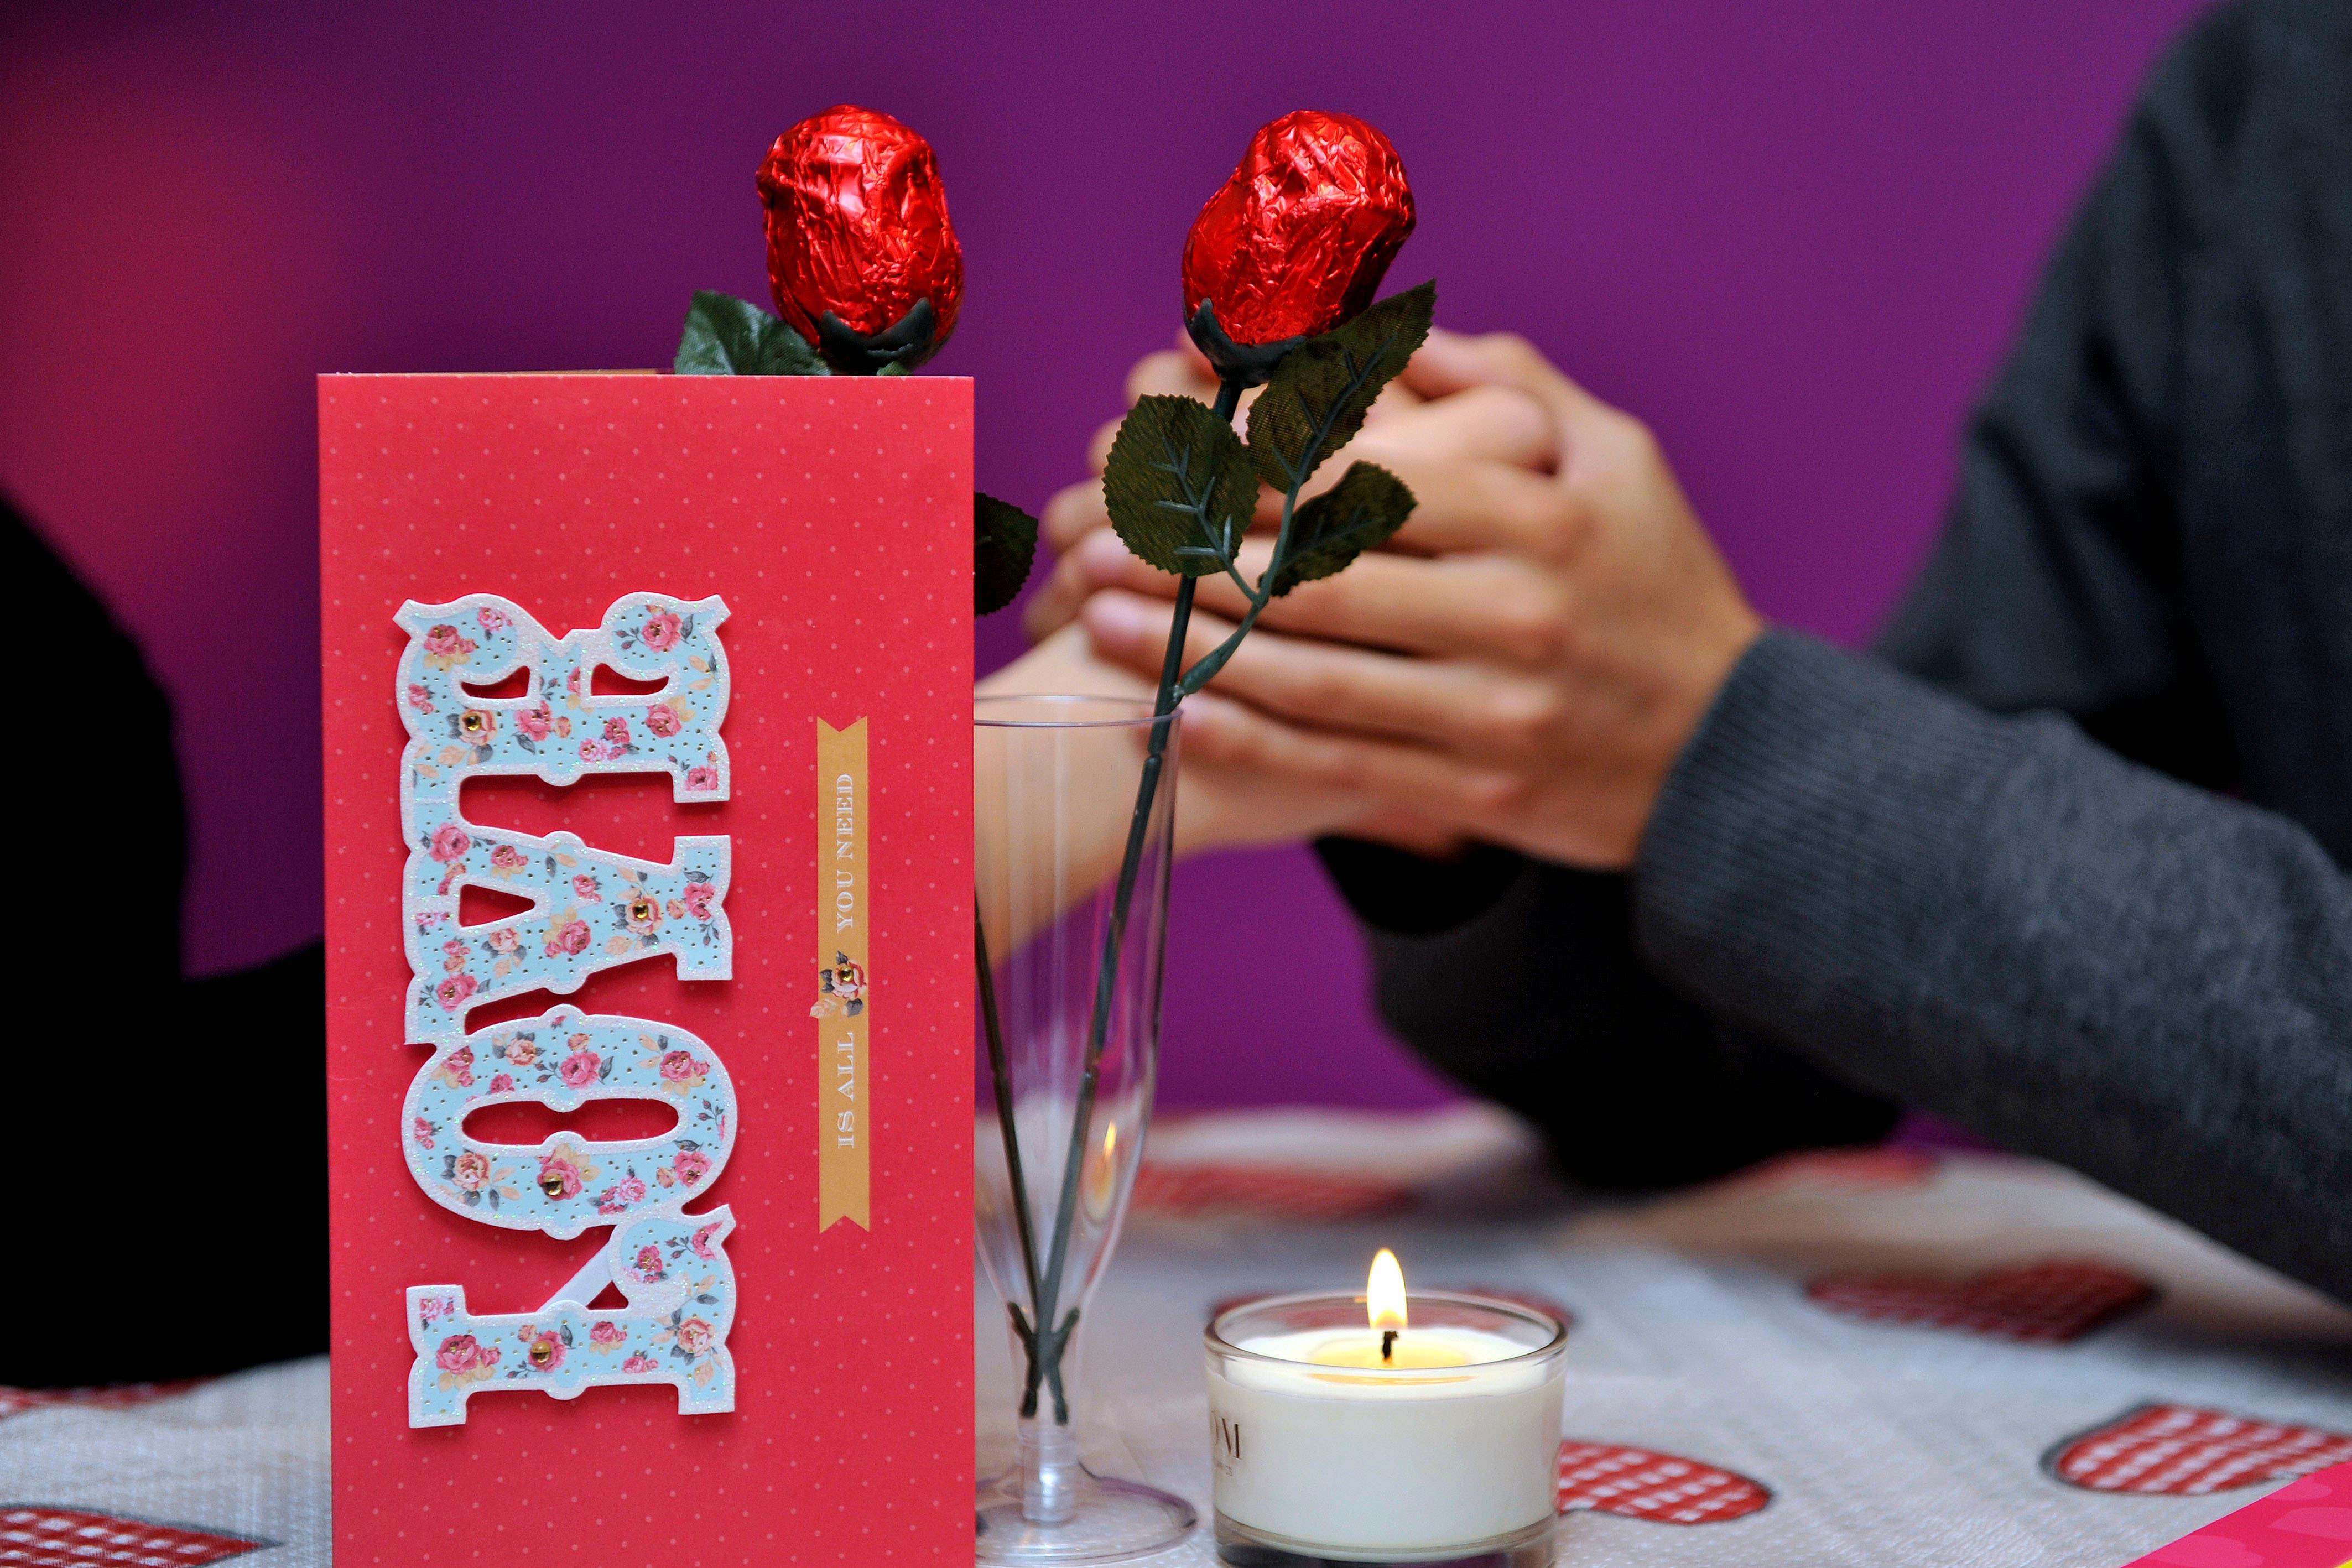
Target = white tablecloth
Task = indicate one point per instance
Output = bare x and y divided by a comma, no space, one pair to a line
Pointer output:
1881,1446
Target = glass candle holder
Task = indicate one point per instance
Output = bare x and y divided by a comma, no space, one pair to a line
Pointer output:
1070,861
1442,1447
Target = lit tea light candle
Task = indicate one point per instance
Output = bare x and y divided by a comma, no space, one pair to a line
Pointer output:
1386,1427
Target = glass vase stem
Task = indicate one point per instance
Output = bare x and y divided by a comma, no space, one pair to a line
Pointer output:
1049,1471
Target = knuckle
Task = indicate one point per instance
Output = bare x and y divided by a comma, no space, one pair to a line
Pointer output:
1098,449
1072,513
1316,687
1558,521
1325,604
1069,578
1325,762
1497,793
1637,443
1391,444
1244,745
1530,622
1156,373
1508,349
1208,733
1507,416
1520,719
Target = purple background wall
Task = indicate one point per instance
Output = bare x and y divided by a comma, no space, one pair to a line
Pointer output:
1795,237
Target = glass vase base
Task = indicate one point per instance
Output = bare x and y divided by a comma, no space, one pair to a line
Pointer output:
1109,1521
1240,1546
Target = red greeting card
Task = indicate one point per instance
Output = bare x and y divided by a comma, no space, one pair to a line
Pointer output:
2306,1523
647,739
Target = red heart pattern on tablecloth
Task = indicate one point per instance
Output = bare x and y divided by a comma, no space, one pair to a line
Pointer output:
115,1396
33,1535
2048,1302
2179,1450
1664,1488
1261,1192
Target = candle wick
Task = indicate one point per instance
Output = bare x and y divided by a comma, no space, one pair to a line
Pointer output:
1388,1344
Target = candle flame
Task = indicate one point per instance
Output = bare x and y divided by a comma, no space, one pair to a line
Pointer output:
1384,1292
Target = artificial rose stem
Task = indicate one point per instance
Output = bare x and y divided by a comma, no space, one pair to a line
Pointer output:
1047,1360
1001,1073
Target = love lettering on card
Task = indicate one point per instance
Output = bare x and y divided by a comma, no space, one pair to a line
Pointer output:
648,734
591,910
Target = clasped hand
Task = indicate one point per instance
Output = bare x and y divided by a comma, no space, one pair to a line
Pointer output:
1521,666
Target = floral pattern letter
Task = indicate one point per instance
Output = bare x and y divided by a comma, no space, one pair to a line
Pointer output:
669,1264
591,911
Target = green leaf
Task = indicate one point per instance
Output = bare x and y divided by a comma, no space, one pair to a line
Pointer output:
1179,487
1316,401
725,336
1360,512
1003,545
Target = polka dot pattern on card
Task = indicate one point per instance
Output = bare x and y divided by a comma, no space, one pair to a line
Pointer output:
835,517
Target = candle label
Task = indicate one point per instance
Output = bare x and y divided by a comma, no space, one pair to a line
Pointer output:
1224,1443
589,911
845,1003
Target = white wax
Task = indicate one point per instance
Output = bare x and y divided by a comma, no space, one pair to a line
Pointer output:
1365,1462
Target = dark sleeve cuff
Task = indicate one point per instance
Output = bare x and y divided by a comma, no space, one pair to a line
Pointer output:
1824,805
1404,895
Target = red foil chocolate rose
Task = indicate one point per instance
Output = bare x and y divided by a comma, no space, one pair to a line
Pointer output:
862,258
1298,240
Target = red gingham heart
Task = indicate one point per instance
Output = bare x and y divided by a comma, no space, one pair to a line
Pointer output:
1664,1488
114,1396
1261,1192
33,1535
2048,1302
2179,1450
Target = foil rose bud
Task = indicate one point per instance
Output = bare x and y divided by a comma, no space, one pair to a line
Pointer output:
1297,241
862,258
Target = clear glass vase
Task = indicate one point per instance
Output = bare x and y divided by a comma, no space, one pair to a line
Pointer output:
1074,802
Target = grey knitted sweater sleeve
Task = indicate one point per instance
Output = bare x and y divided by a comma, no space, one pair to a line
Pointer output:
2000,921
1983,872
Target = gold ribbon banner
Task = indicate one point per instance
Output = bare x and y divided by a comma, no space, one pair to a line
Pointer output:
844,1007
